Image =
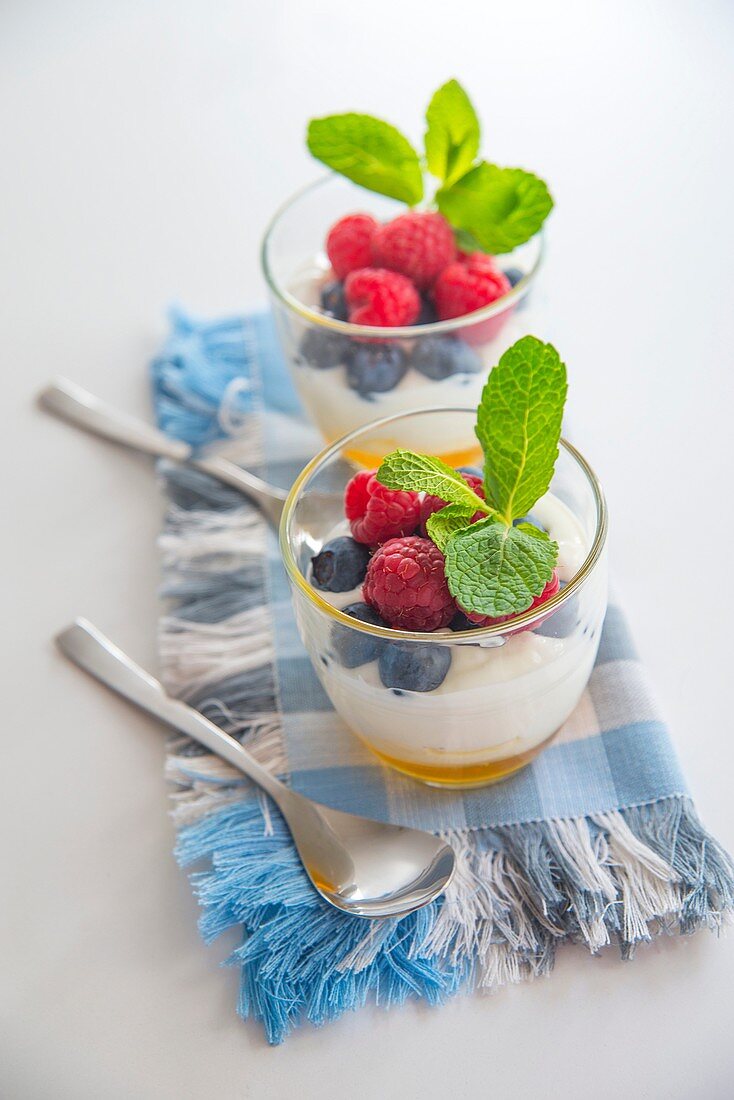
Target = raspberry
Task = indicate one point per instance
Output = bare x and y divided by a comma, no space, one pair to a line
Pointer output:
417,245
431,504
406,585
486,620
468,284
349,243
376,513
381,298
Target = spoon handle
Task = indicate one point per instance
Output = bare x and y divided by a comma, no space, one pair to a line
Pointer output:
79,407
88,648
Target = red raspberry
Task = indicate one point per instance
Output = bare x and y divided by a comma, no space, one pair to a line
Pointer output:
486,620
381,298
467,285
417,245
376,513
349,243
431,504
406,585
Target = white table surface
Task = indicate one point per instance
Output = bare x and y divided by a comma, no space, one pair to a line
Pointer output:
143,147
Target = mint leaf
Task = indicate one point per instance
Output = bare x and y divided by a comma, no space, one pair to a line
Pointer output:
452,137
426,474
495,569
369,152
500,207
519,425
445,523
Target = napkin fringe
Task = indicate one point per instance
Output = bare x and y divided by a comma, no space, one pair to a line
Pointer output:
618,877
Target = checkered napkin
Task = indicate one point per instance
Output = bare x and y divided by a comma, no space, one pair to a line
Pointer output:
597,841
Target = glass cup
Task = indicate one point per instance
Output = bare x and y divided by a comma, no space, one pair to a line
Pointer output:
345,374
507,688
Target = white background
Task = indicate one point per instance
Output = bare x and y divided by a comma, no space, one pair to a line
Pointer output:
143,147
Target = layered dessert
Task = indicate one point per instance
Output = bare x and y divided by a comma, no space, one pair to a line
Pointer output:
461,608
392,310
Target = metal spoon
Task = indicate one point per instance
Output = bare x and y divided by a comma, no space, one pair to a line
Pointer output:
363,867
76,405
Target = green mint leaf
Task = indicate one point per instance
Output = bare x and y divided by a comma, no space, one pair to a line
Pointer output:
500,207
495,569
519,425
452,137
426,474
369,152
445,523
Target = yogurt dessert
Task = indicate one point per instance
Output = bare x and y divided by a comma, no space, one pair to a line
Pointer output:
381,310
452,635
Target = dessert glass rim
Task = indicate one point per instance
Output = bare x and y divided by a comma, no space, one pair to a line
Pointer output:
515,295
526,618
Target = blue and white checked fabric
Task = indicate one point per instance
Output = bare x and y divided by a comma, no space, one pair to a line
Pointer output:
597,840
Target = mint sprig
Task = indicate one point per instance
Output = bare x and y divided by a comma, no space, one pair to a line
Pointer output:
427,474
497,566
446,522
370,152
498,208
452,136
519,425
491,208
493,569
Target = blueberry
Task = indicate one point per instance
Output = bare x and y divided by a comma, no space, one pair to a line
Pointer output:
324,349
460,622
340,565
333,301
376,368
513,275
438,357
562,623
427,315
475,471
414,667
354,649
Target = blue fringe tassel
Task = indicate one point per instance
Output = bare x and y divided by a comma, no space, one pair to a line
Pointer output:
199,363
293,957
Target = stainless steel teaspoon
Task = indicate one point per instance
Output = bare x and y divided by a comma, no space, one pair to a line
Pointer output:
80,407
363,867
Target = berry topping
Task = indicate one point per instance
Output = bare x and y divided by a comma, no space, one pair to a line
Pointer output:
376,513
461,622
418,245
324,349
352,647
349,243
406,584
486,620
513,275
431,504
376,368
427,315
467,285
340,565
438,357
381,298
333,301
414,667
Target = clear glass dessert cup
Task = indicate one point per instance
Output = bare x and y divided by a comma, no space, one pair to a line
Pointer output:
508,687
437,364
